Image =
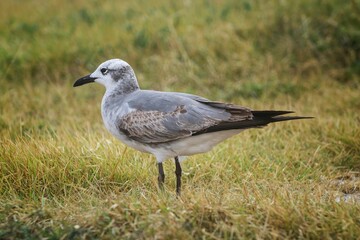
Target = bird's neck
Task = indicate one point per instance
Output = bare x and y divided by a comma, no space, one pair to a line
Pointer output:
123,87
111,106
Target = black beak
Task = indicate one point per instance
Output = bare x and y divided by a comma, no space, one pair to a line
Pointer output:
84,80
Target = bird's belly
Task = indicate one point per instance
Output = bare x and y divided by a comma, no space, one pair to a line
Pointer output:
201,143
182,147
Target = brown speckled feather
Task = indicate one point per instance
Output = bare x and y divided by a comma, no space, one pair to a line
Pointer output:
155,126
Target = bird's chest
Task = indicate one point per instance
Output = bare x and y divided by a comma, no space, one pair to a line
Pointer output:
112,114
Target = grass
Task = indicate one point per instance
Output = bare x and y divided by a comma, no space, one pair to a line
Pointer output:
63,176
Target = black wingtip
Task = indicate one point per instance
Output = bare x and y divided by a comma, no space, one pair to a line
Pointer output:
288,118
274,114
270,113
259,119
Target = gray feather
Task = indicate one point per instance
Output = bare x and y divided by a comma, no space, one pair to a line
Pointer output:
164,117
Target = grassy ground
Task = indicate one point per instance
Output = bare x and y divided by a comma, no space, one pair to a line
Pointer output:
63,176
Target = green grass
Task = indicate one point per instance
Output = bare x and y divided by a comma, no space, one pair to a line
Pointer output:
63,176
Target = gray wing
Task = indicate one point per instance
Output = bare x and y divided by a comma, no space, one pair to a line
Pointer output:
237,111
163,117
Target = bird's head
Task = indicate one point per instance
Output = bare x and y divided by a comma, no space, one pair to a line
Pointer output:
112,73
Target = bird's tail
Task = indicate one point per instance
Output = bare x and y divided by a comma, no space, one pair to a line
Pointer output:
274,116
259,119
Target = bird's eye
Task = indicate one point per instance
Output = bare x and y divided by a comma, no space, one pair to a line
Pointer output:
104,71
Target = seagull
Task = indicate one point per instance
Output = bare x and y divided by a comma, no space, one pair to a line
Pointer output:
169,124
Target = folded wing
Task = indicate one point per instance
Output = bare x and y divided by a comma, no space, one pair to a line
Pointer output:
164,117
160,117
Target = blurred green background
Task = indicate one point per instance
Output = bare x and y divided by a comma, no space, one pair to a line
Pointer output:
183,45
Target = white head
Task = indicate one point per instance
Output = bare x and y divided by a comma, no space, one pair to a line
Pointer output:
113,74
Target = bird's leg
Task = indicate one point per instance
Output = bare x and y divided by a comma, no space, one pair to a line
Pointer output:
161,177
178,175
